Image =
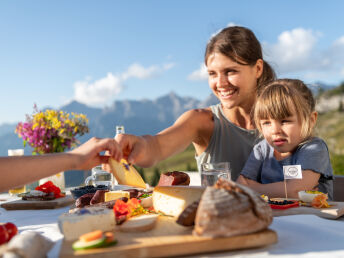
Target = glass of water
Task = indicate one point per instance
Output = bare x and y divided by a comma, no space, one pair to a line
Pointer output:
21,189
211,172
100,177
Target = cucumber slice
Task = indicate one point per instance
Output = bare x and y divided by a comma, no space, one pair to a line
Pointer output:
81,245
110,243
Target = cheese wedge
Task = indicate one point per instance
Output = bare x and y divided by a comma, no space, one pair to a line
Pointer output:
172,200
126,174
84,220
139,223
114,195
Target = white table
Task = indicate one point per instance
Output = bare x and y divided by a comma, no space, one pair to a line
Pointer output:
298,235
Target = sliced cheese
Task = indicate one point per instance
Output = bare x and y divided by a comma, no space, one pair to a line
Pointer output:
126,174
85,220
139,223
172,200
114,195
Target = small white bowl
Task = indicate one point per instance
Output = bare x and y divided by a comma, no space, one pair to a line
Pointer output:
307,197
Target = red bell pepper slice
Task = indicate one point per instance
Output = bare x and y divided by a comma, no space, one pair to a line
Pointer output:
284,206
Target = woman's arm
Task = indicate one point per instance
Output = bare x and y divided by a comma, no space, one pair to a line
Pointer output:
308,182
20,170
194,126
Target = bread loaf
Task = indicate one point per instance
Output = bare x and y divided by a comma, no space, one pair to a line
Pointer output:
230,209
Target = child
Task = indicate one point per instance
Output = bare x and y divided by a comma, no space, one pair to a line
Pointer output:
285,115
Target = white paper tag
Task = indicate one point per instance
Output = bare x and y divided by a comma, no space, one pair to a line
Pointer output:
292,172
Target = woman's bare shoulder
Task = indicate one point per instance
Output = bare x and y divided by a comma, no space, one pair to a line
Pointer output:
198,115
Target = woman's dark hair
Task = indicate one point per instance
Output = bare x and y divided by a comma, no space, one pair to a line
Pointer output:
241,45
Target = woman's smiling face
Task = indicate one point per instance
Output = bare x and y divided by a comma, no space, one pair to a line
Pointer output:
232,83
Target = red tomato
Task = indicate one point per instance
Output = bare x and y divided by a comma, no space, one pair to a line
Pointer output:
11,229
4,237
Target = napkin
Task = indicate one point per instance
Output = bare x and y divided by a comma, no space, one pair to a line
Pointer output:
28,244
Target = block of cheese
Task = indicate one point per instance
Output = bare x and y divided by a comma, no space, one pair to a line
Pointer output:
114,195
126,174
84,220
139,223
172,200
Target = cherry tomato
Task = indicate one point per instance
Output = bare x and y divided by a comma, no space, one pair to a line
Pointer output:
4,237
11,229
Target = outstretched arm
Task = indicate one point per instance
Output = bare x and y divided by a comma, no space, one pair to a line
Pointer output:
194,126
308,182
20,170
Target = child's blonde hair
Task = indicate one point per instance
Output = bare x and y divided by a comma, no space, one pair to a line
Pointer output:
277,99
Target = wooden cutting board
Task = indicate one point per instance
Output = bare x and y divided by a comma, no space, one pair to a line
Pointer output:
38,205
334,212
170,239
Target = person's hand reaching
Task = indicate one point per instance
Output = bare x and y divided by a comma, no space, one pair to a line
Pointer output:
90,152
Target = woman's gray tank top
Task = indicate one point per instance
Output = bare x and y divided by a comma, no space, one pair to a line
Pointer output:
228,142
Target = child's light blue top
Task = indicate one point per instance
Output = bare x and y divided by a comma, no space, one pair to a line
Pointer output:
263,167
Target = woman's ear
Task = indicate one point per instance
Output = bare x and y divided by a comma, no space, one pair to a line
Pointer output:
259,68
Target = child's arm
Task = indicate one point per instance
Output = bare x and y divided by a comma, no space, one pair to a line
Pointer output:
308,182
246,181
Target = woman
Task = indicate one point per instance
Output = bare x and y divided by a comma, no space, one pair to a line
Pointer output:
224,132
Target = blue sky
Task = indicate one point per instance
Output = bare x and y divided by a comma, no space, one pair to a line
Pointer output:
53,52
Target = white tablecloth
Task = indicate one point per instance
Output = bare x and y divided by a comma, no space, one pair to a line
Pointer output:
298,235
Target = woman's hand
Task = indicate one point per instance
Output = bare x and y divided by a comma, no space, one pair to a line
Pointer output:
89,153
135,148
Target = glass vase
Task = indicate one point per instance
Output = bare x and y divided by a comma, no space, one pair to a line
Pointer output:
57,179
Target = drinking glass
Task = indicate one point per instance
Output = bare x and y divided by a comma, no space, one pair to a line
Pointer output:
211,172
100,177
21,189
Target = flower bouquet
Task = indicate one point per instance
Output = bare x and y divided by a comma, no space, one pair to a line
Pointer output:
52,131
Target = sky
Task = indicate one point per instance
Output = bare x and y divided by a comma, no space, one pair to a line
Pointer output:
97,52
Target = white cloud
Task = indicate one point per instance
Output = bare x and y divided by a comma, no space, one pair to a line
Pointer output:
200,74
294,50
98,91
168,66
105,89
339,42
297,53
140,72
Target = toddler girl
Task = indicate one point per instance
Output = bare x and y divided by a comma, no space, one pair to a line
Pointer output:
285,115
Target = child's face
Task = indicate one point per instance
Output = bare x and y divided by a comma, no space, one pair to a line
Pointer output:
283,135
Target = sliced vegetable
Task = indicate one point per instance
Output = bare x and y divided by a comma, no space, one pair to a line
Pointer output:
94,235
82,245
319,201
95,239
11,229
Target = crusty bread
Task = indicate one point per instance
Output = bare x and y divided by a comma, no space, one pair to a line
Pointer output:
230,209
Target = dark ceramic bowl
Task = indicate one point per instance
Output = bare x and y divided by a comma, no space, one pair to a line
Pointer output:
80,191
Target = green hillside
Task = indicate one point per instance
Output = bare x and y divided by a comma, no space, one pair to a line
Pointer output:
330,127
